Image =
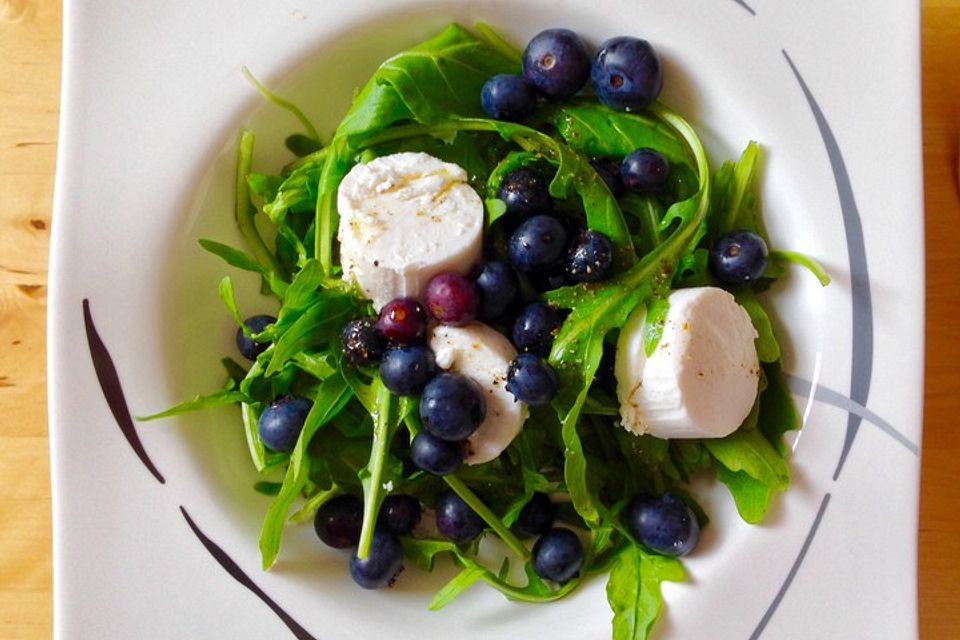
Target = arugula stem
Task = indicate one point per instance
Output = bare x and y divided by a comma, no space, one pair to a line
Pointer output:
517,593
475,503
245,211
282,103
804,261
372,486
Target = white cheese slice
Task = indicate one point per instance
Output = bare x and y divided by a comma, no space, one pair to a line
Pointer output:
701,380
480,352
404,218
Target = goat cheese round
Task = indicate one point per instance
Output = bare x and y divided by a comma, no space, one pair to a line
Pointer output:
404,218
480,352
701,380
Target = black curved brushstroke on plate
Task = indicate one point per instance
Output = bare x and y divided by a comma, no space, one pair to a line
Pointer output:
861,368
826,395
746,6
240,576
112,391
768,614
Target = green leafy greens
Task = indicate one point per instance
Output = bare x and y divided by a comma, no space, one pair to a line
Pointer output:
356,438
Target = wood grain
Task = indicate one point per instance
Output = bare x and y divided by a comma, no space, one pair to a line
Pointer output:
29,97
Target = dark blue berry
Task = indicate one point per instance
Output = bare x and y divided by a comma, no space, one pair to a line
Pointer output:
626,73
434,455
537,516
531,380
663,523
739,257
645,171
452,299
399,514
558,555
338,521
535,327
382,565
452,406
590,257
524,191
609,171
281,422
537,244
556,62
248,347
407,370
403,321
455,519
362,342
499,290
508,97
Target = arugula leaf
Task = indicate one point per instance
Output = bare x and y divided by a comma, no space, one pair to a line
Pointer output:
332,396
778,412
768,348
751,496
633,590
244,208
382,468
199,402
597,130
316,325
457,585
284,104
749,451
780,258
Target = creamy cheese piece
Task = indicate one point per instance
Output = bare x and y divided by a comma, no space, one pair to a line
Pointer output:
480,352
404,218
701,380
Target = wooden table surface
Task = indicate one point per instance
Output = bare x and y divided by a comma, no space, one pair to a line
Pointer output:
30,35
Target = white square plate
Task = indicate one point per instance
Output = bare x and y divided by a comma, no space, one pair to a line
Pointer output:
152,98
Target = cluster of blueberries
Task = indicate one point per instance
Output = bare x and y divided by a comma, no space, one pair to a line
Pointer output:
625,73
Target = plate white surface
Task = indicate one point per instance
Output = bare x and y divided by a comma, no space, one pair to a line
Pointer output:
152,98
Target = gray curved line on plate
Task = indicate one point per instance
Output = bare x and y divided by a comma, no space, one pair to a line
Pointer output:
765,620
112,391
862,332
829,396
746,6
240,576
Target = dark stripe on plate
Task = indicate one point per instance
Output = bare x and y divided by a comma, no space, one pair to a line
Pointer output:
746,6
793,570
238,574
112,391
829,396
862,331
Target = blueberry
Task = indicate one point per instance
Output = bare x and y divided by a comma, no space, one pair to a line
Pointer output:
535,328
249,348
281,422
382,565
399,514
452,299
739,257
609,171
455,519
499,290
626,73
556,62
558,555
531,380
407,370
452,406
362,342
537,516
524,191
663,523
508,97
537,244
436,456
590,257
403,321
338,521
645,171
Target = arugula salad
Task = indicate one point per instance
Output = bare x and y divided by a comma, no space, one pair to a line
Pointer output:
517,309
